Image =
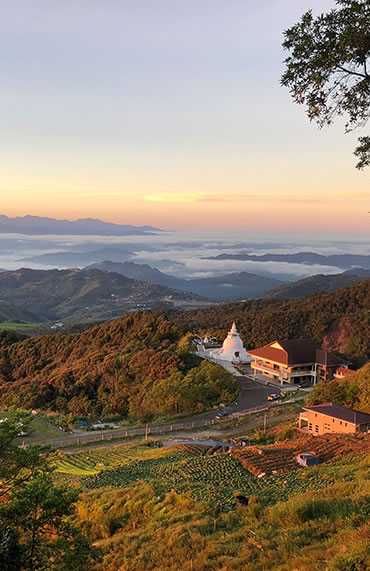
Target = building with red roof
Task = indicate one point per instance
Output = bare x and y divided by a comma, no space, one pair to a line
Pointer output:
295,361
343,372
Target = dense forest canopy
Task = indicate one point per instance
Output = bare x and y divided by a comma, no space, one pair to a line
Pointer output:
340,320
142,364
139,365
352,391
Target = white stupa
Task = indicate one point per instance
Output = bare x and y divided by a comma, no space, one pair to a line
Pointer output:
232,348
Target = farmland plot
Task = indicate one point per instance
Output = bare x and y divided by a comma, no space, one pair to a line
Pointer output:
216,479
97,459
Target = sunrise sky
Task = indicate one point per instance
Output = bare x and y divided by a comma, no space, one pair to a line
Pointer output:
167,113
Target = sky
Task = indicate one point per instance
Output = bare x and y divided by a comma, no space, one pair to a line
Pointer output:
167,113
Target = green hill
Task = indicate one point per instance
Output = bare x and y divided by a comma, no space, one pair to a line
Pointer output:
13,313
140,364
83,295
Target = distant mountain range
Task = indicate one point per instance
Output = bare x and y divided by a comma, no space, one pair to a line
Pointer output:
345,261
80,259
84,295
38,225
317,284
241,285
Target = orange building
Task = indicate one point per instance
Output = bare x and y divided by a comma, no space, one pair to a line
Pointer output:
329,417
295,361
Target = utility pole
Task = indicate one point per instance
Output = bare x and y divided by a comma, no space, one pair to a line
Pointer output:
265,422
146,432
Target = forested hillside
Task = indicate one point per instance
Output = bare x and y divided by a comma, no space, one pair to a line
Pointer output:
138,365
141,364
352,391
340,320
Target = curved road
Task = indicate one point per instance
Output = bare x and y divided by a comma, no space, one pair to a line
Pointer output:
251,395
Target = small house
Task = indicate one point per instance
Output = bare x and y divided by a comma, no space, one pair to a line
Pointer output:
330,417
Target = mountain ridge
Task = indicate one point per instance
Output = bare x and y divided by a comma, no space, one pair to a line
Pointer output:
343,261
83,294
318,283
38,225
233,286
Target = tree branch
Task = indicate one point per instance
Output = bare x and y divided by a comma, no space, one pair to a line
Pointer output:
349,72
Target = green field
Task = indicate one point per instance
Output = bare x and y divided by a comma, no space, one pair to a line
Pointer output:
26,328
214,478
40,431
96,460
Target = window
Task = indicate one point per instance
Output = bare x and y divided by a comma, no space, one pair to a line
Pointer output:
341,423
310,426
316,428
345,424
333,419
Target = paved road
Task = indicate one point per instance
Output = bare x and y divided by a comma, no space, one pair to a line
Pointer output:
251,396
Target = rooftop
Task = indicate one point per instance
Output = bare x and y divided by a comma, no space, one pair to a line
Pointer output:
340,412
296,352
344,371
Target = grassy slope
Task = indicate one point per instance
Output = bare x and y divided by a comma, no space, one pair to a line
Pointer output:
40,431
153,525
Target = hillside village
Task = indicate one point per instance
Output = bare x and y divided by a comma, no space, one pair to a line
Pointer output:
151,419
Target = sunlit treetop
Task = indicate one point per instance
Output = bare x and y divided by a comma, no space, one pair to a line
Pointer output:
328,69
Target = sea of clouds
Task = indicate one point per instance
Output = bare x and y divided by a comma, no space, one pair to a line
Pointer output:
184,254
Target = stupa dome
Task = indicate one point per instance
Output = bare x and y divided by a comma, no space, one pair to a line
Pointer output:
232,348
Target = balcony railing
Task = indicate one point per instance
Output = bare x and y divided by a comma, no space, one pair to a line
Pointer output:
283,372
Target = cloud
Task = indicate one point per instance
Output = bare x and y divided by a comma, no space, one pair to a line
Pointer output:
227,197
351,194
198,267
172,197
232,197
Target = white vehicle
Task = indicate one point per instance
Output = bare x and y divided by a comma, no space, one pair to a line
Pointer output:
274,396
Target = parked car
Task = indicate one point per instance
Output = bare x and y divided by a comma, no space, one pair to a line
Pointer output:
308,459
221,415
274,396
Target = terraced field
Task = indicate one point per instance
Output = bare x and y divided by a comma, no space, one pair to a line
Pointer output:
216,479
206,473
280,458
95,460
201,450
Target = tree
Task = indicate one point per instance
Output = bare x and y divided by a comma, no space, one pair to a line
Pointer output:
37,514
18,465
328,69
35,527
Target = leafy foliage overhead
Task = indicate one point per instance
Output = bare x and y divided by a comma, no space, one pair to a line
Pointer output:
328,69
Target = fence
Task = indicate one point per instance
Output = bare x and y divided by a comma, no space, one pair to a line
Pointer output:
146,430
